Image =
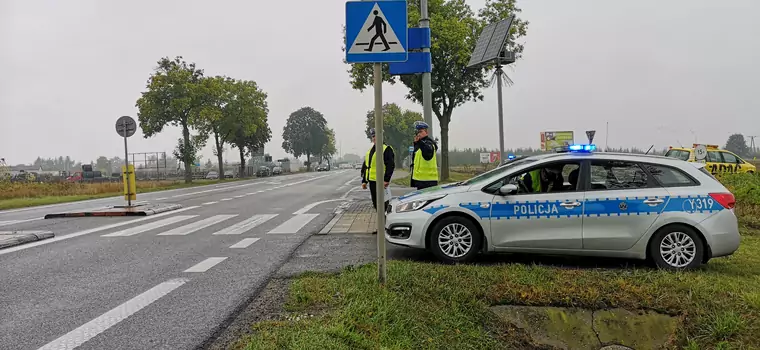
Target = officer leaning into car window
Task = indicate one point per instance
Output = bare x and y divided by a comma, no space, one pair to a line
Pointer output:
424,163
369,169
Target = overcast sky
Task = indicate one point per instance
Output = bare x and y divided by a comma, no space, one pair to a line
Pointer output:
660,72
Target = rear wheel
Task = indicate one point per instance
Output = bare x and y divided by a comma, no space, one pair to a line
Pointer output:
676,247
455,240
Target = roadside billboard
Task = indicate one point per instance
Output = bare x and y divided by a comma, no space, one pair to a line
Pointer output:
553,139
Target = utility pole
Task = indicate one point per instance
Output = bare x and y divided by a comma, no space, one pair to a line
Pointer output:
499,72
427,88
752,144
607,138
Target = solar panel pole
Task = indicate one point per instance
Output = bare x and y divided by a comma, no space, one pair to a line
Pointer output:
427,89
499,72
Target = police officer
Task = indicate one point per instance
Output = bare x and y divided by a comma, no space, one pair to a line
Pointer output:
369,169
425,164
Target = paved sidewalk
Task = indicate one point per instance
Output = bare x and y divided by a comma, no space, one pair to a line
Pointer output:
358,216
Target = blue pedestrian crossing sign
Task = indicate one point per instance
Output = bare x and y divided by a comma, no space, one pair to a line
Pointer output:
376,31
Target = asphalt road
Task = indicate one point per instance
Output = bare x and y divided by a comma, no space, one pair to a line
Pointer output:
167,281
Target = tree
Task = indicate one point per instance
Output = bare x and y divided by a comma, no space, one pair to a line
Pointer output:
738,145
398,128
103,164
173,94
454,31
328,149
351,158
209,164
305,133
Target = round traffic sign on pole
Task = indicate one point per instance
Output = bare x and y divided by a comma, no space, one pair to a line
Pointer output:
126,126
700,152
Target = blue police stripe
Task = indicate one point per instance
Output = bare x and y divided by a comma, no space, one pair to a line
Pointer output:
434,209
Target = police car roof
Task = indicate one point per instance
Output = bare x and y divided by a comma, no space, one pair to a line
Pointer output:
634,157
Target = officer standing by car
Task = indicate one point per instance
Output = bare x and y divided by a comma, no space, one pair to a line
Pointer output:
369,169
425,164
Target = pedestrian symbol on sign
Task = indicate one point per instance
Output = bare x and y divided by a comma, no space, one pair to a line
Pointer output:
376,35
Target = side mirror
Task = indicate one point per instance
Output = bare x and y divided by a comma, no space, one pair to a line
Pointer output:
508,189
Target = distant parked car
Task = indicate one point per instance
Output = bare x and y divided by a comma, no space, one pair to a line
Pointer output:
276,170
212,175
263,171
358,166
323,167
229,174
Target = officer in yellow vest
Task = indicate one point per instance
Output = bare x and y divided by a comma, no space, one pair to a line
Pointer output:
425,164
369,169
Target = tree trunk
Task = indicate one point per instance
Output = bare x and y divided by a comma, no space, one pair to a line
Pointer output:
308,162
445,144
186,156
219,151
242,162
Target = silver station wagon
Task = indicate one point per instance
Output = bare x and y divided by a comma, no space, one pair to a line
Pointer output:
574,202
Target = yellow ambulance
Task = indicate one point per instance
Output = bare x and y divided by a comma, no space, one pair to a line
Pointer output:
718,161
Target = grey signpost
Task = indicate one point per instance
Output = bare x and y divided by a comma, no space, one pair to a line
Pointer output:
126,127
490,50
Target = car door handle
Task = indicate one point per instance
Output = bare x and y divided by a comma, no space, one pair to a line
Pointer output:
570,205
653,201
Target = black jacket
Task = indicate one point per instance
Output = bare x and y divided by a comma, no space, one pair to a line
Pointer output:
427,146
388,160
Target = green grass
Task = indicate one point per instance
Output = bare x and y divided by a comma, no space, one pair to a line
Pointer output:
432,306
24,202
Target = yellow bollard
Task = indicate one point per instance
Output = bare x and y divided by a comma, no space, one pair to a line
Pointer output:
130,188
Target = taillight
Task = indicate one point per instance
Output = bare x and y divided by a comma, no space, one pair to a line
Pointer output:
727,200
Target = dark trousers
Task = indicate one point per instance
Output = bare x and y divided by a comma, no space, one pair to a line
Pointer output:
373,192
424,184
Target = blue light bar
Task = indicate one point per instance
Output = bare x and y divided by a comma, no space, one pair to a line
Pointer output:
582,148
511,156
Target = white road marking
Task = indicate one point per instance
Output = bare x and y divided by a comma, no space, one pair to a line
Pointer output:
251,193
294,224
13,222
240,196
92,230
147,227
330,225
225,199
345,195
22,232
205,265
246,225
209,203
160,199
312,205
348,183
198,225
107,320
244,243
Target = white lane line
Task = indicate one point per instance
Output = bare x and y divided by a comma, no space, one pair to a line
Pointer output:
107,320
240,196
92,230
348,183
330,225
13,222
345,195
147,227
225,199
205,265
209,203
198,225
246,225
251,193
312,205
244,243
160,199
293,224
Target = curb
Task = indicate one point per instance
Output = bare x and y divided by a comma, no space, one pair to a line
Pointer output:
111,212
24,237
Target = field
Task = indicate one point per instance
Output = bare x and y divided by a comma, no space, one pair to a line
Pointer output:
433,306
19,194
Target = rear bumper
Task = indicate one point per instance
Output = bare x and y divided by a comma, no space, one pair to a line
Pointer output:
721,232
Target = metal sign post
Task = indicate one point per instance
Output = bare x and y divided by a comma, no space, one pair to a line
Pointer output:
126,127
376,32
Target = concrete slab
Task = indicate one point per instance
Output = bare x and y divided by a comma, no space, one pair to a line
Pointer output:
13,238
141,209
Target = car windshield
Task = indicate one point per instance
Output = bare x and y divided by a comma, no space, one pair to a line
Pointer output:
500,170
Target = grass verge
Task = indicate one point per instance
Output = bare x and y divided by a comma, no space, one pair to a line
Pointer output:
431,306
30,195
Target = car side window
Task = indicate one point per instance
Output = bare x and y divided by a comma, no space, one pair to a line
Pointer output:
729,158
670,177
714,157
554,177
617,175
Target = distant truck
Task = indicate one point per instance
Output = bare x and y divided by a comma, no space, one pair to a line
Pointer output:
88,175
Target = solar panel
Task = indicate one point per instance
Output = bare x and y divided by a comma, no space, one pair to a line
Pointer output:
491,42
482,45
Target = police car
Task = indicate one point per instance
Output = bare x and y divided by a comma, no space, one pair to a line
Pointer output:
575,202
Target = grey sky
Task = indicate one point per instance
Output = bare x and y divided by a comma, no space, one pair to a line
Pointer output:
656,70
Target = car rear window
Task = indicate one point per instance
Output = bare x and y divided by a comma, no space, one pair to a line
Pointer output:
670,177
679,154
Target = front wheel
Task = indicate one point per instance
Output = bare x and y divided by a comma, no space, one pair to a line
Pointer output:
676,247
455,240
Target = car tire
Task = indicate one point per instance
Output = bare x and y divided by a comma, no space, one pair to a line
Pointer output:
676,247
454,240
